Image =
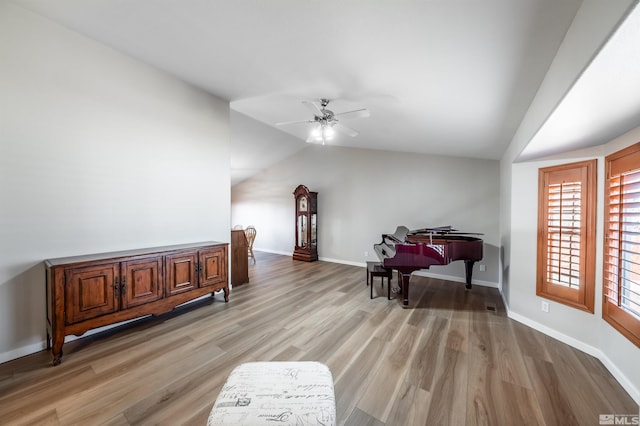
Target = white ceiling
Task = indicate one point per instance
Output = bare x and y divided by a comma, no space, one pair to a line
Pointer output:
449,77
604,101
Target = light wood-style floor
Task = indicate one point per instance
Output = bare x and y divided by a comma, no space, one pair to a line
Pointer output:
451,358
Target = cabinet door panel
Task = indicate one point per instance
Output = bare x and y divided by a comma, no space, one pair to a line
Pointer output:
141,281
213,266
181,272
90,292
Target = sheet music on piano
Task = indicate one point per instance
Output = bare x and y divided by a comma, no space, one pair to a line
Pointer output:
440,230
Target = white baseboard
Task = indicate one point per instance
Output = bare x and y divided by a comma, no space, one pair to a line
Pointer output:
37,347
23,351
610,365
620,377
284,253
422,273
613,369
425,273
593,351
343,262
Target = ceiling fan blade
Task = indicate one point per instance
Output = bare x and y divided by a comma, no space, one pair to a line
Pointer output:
346,130
286,123
313,108
358,113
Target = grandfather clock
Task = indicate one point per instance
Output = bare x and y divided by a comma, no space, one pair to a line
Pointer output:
306,224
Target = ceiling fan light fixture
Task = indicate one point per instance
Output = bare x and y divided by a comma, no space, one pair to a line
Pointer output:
328,132
322,133
324,121
316,133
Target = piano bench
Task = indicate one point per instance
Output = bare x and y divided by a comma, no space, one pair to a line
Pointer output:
375,269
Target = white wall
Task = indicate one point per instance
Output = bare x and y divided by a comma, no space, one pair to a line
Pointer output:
592,25
364,193
581,329
256,146
98,152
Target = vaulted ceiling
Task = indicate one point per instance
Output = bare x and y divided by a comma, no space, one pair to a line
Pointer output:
448,77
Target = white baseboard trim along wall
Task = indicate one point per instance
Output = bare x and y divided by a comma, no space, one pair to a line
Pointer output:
595,352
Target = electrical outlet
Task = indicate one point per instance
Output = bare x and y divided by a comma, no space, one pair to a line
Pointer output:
545,306
483,268
366,254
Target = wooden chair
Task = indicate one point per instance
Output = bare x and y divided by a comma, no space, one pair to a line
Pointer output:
250,233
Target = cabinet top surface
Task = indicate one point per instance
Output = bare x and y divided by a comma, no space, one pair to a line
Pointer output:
130,253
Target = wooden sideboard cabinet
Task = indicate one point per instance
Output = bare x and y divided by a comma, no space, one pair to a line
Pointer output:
85,292
191,269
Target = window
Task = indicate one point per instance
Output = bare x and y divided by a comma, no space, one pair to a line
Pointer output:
566,234
621,269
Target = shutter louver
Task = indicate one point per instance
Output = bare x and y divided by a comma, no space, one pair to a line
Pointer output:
563,229
622,252
621,258
566,231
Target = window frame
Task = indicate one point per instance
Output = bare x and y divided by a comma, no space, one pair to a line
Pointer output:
583,296
624,162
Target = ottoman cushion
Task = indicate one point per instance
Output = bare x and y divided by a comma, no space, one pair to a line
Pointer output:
283,393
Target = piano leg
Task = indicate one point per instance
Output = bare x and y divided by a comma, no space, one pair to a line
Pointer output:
405,288
468,269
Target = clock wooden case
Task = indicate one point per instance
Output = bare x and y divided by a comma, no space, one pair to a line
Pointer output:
306,247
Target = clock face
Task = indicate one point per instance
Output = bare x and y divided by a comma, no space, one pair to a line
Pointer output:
302,204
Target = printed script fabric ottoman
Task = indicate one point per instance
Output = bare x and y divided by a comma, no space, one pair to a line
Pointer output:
276,393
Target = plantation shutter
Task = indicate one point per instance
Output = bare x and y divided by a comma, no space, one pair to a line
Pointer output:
565,240
621,269
564,215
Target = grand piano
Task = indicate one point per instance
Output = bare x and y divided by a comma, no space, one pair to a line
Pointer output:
408,251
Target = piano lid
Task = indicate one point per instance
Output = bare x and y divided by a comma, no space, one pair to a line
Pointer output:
437,230
441,230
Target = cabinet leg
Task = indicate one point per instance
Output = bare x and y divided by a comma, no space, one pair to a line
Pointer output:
226,294
56,351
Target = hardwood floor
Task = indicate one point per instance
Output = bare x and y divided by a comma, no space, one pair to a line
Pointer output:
452,358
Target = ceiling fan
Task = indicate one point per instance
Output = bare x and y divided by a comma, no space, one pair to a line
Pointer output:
327,121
